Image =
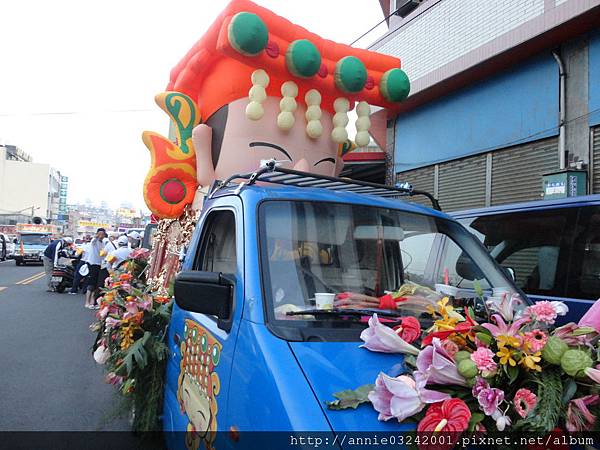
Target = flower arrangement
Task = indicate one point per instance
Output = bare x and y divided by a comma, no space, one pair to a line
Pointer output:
511,372
130,343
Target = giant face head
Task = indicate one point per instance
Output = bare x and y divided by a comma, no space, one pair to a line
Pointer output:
231,143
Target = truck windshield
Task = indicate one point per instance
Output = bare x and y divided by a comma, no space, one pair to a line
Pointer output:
364,252
35,239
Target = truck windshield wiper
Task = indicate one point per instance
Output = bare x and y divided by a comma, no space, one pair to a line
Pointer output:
344,312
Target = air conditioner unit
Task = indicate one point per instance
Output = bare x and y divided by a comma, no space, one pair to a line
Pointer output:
404,7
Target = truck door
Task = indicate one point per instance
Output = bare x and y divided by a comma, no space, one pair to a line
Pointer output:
201,350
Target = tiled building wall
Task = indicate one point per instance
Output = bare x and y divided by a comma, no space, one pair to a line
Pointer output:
462,26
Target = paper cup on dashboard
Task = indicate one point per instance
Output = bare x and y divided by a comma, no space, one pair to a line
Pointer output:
324,300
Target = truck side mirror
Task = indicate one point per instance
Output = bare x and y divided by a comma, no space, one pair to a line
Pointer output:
208,293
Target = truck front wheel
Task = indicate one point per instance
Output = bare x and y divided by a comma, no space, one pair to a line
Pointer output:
18,262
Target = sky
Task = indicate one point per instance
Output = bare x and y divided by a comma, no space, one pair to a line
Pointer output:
78,79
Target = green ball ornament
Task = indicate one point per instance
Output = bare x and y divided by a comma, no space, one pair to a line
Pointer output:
394,85
247,34
467,368
302,58
350,74
553,350
574,362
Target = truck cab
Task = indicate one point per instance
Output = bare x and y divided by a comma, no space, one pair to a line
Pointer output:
30,247
249,350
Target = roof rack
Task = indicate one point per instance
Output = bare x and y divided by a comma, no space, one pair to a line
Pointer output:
270,172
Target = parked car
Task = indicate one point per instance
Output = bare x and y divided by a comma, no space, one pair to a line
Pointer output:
245,333
551,246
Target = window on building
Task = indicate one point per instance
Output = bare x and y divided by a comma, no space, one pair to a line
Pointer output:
403,8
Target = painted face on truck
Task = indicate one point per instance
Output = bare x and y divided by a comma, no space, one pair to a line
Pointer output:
196,405
229,142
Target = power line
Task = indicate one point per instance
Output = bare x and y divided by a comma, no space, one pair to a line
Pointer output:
72,113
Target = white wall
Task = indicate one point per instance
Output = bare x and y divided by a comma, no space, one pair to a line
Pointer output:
452,28
23,184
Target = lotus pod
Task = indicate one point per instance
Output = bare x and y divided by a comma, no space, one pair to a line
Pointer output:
574,362
463,354
554,350
467,368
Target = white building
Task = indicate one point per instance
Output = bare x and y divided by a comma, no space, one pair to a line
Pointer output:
26,188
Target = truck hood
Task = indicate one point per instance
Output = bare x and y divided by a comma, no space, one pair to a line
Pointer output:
335,366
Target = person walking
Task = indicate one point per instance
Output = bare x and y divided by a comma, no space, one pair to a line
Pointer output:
51,256
94,260
109,246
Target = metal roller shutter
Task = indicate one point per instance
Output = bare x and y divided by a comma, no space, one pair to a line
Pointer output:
421,179
596,162
462,183
517,172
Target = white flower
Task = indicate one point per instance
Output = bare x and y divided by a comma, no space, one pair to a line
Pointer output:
101,354
560,308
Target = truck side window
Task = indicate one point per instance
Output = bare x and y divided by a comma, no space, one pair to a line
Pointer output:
535,244
217,246
584,272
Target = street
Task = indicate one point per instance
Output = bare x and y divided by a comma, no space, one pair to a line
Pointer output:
50,381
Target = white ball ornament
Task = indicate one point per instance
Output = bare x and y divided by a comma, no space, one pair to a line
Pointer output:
312,97
339,135
260,77
313,112
362,138
288,104
314,129
257,93
363,109
341,104
289,89
285,120
340,119
254,111
363,123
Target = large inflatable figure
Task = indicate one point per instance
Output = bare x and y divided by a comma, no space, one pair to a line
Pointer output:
257,86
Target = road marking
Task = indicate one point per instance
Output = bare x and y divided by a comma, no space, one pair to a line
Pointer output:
2,288
35,277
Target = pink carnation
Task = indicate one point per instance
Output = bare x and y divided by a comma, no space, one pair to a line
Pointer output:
484,359
524,401
535,340
542,312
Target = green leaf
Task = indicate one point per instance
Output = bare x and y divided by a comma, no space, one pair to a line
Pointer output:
351,398
582,331
475,419
137,353
485,338
569,390
483,330
512,372
477,287
410,360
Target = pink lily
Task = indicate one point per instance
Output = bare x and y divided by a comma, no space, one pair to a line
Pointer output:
594,374
579,417
437,367
381,338
402,397
502,328
111,322
574,334
592,317
507,305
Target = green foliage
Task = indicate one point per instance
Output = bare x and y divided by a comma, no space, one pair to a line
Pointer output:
351,398
546,414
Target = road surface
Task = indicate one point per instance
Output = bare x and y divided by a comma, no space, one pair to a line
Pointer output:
48,378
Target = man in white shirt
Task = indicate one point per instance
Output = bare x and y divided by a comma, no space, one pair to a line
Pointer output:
122,253
94,260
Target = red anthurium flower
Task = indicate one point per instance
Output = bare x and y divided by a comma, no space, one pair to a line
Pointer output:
409,329
450,416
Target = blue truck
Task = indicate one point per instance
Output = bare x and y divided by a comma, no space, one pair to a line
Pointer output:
249,350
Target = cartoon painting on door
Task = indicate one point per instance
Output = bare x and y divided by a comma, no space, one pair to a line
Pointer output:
199,384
